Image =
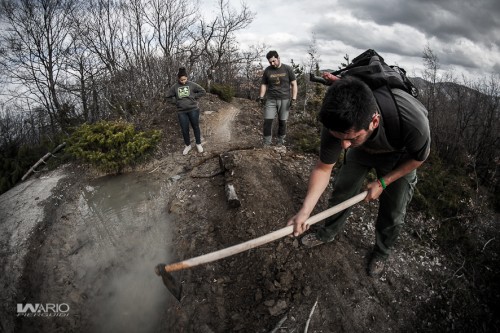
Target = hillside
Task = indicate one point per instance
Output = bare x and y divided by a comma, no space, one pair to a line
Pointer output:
278,287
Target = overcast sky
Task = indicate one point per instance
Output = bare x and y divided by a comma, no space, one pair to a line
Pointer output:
464,34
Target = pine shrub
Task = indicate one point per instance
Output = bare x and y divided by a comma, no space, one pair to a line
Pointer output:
111,146
224,91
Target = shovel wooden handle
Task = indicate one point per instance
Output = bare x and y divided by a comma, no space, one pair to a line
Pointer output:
229,251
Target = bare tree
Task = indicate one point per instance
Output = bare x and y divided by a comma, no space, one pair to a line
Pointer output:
346,63
431,97
464,118
87,60
310,89
479,124
100,28
220,49
110,60
431,63
174,23
251,72
36,40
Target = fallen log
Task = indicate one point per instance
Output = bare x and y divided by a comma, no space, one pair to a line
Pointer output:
232,198
43,160
227,163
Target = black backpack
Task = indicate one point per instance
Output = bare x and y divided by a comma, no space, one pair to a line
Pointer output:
381,78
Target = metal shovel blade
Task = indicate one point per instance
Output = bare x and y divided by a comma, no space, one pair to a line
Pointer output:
169,281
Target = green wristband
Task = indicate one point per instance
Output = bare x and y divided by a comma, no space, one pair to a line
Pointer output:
382,182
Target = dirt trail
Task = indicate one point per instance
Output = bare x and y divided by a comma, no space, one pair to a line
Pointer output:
219,128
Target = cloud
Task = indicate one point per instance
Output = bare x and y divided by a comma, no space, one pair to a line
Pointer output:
399,39
465,35
445,20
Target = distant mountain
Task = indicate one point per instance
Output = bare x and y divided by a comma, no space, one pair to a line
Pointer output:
447,87
423,84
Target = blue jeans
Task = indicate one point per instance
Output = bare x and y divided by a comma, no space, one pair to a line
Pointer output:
193,118
392,203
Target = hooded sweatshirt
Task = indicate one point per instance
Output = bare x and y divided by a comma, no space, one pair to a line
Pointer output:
185,95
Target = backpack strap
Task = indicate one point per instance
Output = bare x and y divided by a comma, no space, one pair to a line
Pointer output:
390,113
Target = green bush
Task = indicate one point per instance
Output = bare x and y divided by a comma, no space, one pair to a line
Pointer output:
442,190
304,137
224,91
308,144
111,146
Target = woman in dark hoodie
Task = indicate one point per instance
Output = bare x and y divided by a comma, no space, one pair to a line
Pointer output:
185,94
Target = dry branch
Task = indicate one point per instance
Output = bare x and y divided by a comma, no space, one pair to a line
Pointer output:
310,315
43,160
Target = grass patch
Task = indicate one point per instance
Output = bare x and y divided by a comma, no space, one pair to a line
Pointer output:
442,191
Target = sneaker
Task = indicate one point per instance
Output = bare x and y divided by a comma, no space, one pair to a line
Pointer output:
310,240
376,266
186,150
199,148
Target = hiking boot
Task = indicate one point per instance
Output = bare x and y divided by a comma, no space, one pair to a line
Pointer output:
376,266
267,140
186,150
199,148
310,240
280,141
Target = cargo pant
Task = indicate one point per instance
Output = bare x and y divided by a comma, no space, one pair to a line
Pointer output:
392,202
273,107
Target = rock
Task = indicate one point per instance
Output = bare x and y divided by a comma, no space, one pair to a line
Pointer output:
269,285
205,329
258,295
285,279
270,303
278,308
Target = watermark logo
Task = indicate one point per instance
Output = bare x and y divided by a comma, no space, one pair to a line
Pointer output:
42,310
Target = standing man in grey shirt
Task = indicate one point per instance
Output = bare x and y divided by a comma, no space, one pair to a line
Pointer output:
278,94
352,121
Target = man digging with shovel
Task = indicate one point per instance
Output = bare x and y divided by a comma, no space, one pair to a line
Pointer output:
353,121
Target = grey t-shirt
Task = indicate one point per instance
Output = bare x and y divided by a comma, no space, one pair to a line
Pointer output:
415,133
278,81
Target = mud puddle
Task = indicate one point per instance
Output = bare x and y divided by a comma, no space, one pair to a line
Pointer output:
100,257
126,224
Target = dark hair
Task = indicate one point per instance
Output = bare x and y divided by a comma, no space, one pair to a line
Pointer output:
271,54
182,72
349,104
